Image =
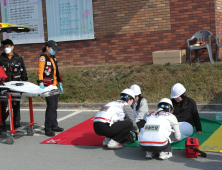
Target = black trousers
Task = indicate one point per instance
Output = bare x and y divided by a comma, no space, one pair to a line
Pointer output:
16,111
119,131
165,148
140,124
51,112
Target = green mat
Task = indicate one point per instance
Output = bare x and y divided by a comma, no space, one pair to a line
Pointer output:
209,126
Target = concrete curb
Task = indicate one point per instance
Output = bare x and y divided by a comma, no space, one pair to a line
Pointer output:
99,105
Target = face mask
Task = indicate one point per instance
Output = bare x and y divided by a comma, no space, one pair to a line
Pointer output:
8,50
52,52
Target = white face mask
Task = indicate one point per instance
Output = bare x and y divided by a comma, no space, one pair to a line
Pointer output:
7,50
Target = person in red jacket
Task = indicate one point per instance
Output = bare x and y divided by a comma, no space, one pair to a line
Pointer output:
48,69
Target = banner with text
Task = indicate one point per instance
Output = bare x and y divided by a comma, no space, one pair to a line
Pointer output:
23,12
69,20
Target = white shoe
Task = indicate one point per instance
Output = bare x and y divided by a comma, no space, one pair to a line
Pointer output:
112,144
106,141
150,155
165,155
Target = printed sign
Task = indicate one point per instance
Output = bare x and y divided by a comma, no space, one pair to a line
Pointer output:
27,13
218,116
69,20
105,108
151,128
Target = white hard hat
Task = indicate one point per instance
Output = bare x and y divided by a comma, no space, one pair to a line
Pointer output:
128,92
177,90
136,89
165,100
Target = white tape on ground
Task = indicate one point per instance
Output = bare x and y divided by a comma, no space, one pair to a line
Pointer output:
19,133
23,134
42,127
61,119
62,110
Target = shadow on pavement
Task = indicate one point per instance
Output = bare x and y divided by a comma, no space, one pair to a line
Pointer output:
213,160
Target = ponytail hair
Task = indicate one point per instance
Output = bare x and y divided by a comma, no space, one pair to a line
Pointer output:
44,49
139,101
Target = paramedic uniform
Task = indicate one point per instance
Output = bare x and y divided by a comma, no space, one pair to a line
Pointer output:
109,121
157,132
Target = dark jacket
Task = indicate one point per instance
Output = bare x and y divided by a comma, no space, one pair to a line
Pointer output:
186,111
14,68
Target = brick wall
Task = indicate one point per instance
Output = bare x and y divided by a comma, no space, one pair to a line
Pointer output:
187,17
128,31
218,10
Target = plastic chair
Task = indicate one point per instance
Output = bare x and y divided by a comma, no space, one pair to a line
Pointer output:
217,46
200,36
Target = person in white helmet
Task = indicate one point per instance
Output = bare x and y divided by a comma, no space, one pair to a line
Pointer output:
185,110
160,128
109,121
140,107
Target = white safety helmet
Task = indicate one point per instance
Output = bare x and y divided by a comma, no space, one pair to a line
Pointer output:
177,90
136,89
165,103
128,92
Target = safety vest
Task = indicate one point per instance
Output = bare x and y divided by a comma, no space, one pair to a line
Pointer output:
12,67
157,130
49,70
111,112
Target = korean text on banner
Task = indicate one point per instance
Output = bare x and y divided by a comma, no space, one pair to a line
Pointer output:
28,13
69,20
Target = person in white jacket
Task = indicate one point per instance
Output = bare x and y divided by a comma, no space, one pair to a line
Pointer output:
109,121
140,107
157,133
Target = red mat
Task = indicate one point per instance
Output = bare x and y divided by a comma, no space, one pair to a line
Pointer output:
81,134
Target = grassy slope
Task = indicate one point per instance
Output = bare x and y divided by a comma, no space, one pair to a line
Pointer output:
104,83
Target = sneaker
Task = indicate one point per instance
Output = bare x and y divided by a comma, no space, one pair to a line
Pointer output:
106,141
150,155
114,145
165,155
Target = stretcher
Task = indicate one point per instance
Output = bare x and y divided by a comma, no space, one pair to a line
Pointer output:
10,91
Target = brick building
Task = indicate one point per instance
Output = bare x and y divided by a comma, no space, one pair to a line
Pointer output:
128,31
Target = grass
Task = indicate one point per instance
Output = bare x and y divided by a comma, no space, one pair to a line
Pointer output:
103,84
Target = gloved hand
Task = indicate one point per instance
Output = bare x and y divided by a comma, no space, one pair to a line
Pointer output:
60,86
42,86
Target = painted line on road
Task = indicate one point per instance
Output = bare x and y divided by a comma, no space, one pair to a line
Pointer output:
24,134
61,119
62,110
42,127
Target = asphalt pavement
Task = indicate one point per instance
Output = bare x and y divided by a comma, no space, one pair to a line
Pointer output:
28,153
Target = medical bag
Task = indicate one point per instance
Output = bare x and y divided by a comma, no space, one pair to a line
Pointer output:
47,81
192,148
60,76
3,75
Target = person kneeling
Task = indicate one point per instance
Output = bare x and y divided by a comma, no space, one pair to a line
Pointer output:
109,121
156,135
